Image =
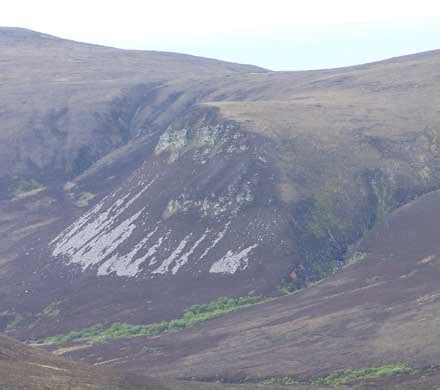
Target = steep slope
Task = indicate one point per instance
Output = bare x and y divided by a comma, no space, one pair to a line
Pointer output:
66,104
22,367
180,179
381,310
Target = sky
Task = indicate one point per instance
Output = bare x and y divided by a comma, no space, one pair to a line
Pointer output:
275,34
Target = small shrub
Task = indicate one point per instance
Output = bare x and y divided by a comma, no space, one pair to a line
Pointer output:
52,310
283,381
348,376
84,199
24,187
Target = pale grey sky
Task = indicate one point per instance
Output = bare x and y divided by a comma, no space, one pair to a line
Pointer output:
277,34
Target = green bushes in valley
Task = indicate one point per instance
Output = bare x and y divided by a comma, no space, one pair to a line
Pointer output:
191,316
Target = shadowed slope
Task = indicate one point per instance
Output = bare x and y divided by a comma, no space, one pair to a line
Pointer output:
61,100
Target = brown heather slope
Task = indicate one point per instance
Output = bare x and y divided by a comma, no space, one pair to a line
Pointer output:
130,176
25,368
384,309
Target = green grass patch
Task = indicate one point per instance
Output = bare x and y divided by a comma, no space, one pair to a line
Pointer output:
355,258
280,381
52,311
344,377
191,316
69,186
26,187
84,199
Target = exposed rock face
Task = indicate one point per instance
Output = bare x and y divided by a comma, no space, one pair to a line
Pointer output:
207,218
193,207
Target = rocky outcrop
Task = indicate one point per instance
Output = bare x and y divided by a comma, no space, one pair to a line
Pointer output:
182,212
134,185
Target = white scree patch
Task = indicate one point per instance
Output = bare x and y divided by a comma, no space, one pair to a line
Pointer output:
232,262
